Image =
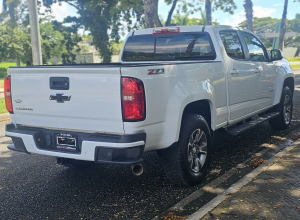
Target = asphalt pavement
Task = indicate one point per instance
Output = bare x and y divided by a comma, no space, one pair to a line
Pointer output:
34,187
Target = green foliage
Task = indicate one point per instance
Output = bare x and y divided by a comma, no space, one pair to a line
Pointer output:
3,72
84,48
259,22
15,43
70,40
53,41
293,59
13,14
6,65
3,69
2,106
87,37
116,47
12,42
196,6
104,19
56,41
184,20
292,26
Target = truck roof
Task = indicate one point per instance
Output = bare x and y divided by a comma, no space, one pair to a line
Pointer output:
184,28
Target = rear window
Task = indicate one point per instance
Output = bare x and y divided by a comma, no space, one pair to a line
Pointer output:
185,46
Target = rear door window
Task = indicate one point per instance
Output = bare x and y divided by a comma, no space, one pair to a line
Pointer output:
184,46
232,44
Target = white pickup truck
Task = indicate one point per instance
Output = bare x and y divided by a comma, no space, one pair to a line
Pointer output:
171,90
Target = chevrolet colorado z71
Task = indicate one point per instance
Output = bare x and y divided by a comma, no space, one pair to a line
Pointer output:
170,91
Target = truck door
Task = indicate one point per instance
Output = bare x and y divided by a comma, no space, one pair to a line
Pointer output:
240,74
265,73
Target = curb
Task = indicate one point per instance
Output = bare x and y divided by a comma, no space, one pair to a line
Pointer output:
238,185
213,186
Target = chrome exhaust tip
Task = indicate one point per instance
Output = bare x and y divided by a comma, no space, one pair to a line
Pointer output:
137,169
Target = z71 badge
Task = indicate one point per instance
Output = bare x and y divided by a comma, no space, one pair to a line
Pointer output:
156,71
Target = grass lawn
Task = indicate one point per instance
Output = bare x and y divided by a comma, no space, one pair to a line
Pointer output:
293,58
6,65
295,66
1,83
2,106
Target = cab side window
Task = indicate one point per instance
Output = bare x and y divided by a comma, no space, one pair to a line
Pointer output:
256,49
232,44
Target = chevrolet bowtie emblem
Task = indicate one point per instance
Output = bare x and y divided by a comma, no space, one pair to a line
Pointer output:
60,97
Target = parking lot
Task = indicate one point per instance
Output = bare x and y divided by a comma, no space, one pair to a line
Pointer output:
34,187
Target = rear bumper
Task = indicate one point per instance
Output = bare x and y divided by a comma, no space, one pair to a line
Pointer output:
100,148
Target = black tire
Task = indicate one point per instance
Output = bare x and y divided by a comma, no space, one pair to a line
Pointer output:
280,122
178,164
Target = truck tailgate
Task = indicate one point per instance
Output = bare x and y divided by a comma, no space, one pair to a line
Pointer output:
94,98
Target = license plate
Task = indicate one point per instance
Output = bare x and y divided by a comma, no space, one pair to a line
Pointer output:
66,142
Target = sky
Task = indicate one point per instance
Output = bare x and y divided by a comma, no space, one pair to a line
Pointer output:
262,8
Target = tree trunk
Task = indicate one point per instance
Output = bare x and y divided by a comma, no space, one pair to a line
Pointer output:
283,25
208,12
249,14
151,14
168,22
18,62
11,11
157,21
4,6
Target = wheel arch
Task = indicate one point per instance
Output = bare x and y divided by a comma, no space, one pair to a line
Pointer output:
289,81
200,107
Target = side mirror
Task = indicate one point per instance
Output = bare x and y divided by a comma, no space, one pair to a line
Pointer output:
276,54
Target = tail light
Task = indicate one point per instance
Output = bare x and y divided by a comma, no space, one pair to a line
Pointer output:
7,94
133,99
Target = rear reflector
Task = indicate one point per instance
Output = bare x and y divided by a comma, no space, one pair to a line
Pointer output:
7,94
170,30
133,99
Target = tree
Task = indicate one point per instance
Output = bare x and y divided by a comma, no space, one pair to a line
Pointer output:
168,22
293,26
195,6
283,25
249,14
12,43
151,14
184,20
70,40
208,4
104,20
116,47
263,25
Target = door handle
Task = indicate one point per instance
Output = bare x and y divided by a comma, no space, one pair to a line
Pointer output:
59,83
234,72
257,70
